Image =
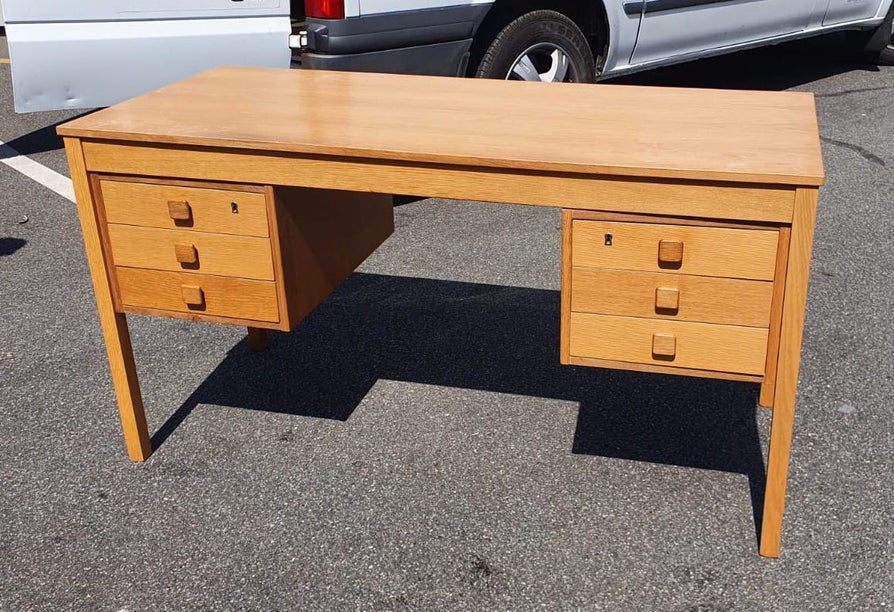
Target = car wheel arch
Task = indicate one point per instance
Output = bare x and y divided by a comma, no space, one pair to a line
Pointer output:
590,17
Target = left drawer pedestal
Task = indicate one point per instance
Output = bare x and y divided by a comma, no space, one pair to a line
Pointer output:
248,255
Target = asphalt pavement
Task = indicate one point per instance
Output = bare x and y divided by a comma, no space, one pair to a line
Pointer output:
415,444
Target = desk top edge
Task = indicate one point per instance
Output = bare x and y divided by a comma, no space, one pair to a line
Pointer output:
383,116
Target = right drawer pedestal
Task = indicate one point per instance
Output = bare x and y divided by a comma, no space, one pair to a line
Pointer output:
668,295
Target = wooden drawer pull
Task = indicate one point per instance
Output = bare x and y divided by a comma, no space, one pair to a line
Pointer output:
670,253
193,296
664,346
186,254
179,211
667,299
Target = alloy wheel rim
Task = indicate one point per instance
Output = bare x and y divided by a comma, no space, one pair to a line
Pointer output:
544,62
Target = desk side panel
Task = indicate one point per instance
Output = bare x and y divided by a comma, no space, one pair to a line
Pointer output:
320,236
745,202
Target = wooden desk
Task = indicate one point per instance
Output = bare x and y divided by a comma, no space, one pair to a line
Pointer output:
244,196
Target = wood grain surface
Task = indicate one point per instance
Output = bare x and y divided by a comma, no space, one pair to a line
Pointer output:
797,274
750,136
655,368
700,298
707,251
322,236
722,201
211,210
701,346
114,324
565,309
236,298
221,254
768,386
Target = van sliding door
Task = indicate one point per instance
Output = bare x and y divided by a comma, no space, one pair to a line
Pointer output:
673,28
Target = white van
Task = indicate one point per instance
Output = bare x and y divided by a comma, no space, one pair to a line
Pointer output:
83,54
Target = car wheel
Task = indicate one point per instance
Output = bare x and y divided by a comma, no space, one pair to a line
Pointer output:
886,55
539,46
878,44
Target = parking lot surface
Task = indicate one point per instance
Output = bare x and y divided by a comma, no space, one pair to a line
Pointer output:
415,444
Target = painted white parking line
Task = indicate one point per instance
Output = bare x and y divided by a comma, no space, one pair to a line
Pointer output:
45,176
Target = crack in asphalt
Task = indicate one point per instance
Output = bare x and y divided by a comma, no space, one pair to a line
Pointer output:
836,94
865,154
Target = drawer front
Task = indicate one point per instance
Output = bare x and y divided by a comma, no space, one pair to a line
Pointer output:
700,346
168,206
653,247
679,297
199,294
185,251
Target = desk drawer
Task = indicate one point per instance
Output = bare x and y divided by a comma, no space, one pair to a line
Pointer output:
198,294
680,297
173,207
700,346
187,251
686,249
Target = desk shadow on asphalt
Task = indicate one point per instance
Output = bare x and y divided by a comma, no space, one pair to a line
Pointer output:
490,338
39,141
8,246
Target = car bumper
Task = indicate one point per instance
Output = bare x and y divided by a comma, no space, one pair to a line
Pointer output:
441,59
433,41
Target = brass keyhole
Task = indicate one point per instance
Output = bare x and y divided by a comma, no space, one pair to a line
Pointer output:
608,240
234,208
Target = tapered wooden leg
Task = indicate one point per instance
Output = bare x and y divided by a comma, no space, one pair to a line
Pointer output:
257,339
114,324
787,369
127,386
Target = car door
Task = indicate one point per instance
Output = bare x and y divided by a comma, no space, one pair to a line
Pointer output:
672,28
89,53
842,11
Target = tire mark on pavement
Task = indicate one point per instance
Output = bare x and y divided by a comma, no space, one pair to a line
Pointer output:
836,94
865,154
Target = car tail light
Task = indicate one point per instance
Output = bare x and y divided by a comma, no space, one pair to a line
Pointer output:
325,9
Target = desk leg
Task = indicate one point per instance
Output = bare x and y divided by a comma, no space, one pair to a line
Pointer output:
793,307
114,324
257,339
127,386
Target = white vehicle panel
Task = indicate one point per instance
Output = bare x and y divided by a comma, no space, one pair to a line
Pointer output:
90,64
682,31
29,11
622,32
841,11
352,8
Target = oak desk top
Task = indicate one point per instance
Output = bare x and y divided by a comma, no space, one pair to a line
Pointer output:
771,137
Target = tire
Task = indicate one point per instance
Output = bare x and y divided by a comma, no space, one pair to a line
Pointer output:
878,46
885,57
539,46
